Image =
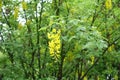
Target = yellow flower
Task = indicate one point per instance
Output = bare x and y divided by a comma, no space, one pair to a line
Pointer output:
111,48
70,56
45,14
108,4
82,73
24,5
19,26
54,30
116,77
59,32
16,10
85,78
48,35
51,44
92,59
73,11
51,22
54,43
0,5
98,78
51,52
28,22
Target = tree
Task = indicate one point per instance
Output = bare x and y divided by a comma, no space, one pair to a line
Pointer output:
59,39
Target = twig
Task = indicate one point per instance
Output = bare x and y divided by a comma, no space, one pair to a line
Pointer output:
99,58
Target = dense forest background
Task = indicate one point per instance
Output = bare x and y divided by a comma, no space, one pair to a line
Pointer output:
59,39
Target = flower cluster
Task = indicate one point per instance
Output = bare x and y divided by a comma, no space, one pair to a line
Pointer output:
20,26
108,4
0,5
16,10
54,43
85,78
111,48
92,59
24,5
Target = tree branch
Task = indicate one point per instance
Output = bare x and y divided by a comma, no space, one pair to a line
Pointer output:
99,58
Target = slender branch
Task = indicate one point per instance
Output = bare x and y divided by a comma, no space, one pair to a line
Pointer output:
94,18
105,50
38,26
60,73
24,69
6,19
95,15
7,49
1,36
68,11
30,44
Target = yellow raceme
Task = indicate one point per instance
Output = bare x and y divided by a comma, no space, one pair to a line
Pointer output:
116,77
20,26
92,59
98,78
16,11
54,30
0,5
85,78
51,22
108,4
28,22
54,43
110,49
24,5
69,57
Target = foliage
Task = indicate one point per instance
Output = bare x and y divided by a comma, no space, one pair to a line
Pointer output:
59,39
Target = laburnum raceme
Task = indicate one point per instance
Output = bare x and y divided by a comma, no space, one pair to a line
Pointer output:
85,78
16,10
111,48
116,77
28,22
92,59
108,4
20,26
98,78
24,5
54,43
0,5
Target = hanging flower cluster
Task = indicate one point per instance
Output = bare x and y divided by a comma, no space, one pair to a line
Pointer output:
111,48
20,26
54,43
85,78
98,78
116,77
16,10
108,4
24,5
0,5
92,59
